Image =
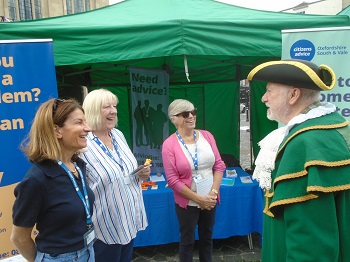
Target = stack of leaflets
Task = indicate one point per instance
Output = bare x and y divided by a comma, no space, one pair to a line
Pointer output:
228,181
231,173
246,180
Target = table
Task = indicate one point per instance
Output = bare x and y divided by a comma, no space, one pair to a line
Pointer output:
239,213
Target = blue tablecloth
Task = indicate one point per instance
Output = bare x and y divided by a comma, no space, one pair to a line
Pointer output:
239,213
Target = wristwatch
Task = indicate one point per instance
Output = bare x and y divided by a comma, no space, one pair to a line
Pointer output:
215,191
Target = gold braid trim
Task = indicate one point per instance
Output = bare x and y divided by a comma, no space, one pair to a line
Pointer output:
290,176
268,196
308,164
327,164
267,212
306,69
331,72
328,189
309,196
334,126
309,189
288,201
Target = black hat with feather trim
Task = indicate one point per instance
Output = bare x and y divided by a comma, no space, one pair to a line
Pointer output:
297,73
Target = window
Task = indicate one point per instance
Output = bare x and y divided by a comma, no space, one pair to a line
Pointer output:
12,9
25,10
78,6
69,7
37,8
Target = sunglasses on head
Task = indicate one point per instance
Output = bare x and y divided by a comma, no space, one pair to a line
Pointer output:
186,114
56,103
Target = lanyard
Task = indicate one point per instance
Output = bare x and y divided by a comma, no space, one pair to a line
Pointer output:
115,145
195,157
85,198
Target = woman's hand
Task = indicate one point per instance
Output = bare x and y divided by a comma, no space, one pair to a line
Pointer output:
144,173
207,202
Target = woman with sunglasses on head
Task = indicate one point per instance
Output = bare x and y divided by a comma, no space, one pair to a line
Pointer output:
54,194
119,207
194,169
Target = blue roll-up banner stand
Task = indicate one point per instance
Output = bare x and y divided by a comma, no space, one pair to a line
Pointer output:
28,79
329,46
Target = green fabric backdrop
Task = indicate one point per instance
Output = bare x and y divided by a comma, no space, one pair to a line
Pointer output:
218,111
260,125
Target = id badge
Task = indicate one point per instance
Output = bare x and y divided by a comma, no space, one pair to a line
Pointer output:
197,178
89,236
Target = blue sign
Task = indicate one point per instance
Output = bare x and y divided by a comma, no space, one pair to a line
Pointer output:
302,49
28,79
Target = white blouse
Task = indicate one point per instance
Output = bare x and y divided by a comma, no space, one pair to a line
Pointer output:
206,160
119,211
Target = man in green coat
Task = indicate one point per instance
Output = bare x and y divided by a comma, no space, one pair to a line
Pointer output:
304,166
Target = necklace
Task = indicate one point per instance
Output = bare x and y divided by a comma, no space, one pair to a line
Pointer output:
73,171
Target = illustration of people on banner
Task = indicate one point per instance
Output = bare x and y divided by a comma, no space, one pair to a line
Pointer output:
150,98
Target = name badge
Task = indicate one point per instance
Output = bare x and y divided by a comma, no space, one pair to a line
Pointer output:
127,180
197,178
89,236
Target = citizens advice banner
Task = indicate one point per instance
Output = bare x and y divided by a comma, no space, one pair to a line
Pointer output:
329,46
28,79
150,99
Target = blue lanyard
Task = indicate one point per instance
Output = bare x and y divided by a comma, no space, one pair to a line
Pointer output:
195,157
115,145
85,198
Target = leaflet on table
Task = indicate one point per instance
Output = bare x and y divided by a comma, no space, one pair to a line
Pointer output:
231,173
156,178
204,185
246,180
228,181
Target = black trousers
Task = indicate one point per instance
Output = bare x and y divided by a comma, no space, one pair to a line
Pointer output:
114,252
189,219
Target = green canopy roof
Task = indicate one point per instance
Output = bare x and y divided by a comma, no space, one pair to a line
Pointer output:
221,42
214,36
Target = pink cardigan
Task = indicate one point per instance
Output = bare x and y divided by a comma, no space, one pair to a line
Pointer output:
178,169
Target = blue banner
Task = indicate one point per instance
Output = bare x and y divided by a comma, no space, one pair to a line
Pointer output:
28,79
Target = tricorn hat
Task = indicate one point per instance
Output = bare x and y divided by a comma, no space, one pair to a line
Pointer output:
293,72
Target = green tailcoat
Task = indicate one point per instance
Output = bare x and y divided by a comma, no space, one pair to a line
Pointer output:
307,210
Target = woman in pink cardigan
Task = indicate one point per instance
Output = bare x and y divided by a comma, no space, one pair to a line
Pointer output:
194,169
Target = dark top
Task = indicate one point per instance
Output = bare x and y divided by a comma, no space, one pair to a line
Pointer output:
46,197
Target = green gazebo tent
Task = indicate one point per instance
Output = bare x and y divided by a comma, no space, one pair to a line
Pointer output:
345,11
220,42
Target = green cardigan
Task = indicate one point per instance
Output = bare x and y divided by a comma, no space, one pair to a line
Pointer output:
307,210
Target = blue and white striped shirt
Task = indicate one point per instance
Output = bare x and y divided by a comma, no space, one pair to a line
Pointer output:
119,211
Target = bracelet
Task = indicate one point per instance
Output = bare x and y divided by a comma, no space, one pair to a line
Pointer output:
215,191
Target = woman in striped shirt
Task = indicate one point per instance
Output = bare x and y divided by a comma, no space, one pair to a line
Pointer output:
119,207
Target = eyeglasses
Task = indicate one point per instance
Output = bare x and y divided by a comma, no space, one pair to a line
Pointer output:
186,114
56,103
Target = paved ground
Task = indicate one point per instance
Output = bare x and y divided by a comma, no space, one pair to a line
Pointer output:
245,141
229,250
233,249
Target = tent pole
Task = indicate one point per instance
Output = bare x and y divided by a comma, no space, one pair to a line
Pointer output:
203,103
238,77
